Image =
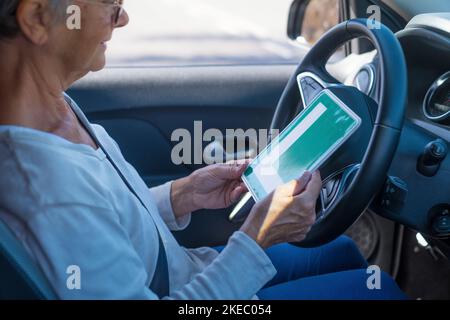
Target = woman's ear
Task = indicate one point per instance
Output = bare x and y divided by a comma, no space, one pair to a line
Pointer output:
34,18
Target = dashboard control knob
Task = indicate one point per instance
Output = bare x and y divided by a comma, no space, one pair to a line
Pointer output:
430,161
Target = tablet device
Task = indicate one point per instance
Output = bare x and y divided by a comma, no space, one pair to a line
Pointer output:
304,145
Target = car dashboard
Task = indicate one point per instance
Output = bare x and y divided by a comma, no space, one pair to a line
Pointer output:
426,43
417,193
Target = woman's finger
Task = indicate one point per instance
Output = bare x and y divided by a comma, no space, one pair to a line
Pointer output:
236,193
296,187
314,186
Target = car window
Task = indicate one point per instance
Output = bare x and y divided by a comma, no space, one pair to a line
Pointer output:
320,16
205,32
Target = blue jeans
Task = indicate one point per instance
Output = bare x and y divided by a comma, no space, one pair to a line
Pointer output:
336,270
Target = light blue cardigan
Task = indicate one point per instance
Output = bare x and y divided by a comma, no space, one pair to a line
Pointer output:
68,207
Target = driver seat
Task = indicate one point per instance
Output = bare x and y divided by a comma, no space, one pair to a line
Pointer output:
20,277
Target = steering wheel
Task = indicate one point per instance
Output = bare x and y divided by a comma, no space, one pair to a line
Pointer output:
358,170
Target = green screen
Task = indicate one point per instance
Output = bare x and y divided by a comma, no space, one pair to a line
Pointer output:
304,145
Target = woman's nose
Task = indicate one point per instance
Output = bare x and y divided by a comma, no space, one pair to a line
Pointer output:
123,19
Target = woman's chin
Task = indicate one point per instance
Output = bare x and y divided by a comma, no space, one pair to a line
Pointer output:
99,63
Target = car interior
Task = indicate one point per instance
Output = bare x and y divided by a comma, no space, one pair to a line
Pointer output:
388,187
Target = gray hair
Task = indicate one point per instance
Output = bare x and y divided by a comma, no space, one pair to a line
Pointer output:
8,22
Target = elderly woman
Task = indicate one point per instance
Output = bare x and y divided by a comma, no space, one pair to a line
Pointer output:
71,199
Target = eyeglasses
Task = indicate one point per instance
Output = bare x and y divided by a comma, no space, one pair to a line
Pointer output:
117,6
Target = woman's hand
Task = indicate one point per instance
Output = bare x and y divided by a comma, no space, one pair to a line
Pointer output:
213,187
287,214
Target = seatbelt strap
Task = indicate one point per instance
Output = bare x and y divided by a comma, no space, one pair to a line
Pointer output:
160,281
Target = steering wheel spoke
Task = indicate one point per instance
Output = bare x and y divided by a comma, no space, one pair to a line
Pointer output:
334,186
310,85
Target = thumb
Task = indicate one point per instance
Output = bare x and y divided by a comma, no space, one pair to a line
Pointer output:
297,186
230,171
